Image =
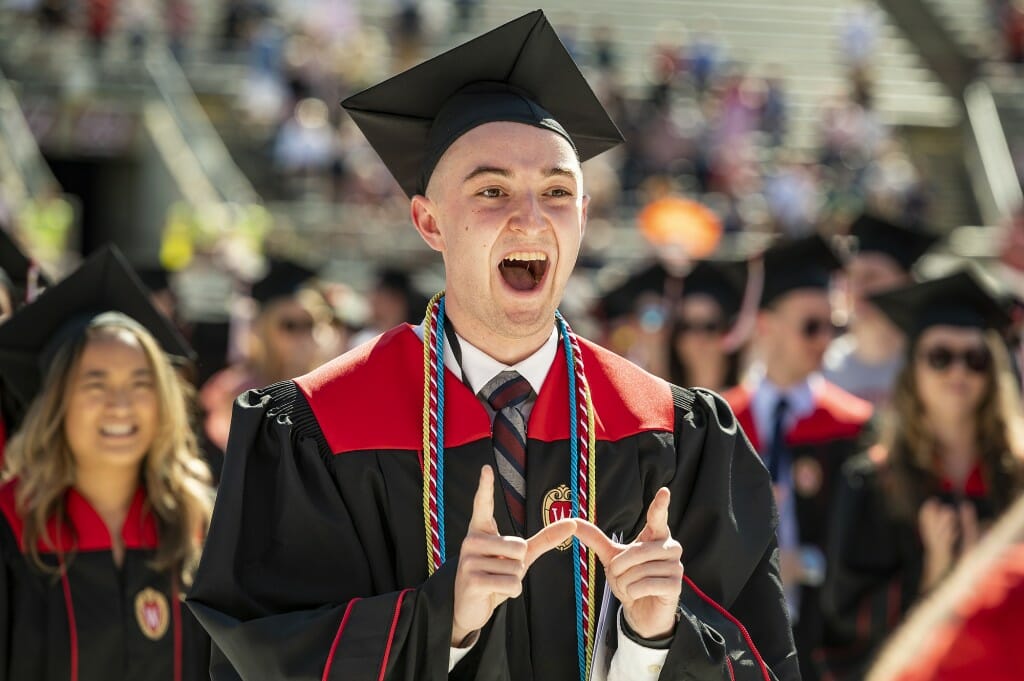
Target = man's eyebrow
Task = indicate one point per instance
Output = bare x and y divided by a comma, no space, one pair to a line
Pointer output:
561,171
487,170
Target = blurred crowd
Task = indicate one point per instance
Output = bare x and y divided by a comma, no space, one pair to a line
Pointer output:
884,399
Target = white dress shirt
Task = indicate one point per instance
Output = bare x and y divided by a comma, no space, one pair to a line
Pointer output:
631,661
800,403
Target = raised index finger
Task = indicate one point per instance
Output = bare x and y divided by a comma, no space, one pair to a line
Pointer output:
482,519
657,528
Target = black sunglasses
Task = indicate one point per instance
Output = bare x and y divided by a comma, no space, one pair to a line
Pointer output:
941,358
813,327
705,326
295,326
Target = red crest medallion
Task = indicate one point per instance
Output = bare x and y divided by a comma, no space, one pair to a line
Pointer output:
558,505
152,613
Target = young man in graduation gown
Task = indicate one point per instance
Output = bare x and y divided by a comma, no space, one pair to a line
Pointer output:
803,426
865,360
403,511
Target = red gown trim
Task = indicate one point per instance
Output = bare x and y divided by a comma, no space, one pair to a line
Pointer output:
391,634
837,415
337,638
379,387
739,625
139,530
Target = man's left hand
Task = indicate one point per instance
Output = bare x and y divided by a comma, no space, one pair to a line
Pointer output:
646,576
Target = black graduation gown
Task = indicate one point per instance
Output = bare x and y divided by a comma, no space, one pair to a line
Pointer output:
820,443
315,567
101,622
876,561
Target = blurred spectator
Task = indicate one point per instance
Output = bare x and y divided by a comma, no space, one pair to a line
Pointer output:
775,108
950,460
793,197
866,360
138,17
178,24
860,25
604,49
281,345
393,300
465,12
706,56
1013,31
99,20
304,148
803,426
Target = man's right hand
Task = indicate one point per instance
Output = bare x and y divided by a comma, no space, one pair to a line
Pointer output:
491,567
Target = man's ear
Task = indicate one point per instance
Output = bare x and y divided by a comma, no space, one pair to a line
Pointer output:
424,217
583,220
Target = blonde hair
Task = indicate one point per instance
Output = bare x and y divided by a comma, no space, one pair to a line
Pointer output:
176,479
911,447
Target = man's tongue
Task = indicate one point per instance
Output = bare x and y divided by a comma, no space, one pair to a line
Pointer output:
518,275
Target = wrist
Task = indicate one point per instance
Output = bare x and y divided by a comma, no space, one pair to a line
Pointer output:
654,637
461,637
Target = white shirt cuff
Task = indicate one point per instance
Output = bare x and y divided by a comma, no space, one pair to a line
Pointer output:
455,655
634,662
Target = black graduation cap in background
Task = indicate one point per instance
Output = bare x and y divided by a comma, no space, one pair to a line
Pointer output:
517,72
283,278
902,243
723,280
103,283
16,265
154,277
958,299
804,263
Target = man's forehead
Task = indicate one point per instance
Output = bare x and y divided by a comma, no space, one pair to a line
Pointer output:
514,147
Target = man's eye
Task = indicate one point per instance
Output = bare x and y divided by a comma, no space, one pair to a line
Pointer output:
491,193
559,192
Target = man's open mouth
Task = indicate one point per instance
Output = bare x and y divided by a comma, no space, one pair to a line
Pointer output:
524,270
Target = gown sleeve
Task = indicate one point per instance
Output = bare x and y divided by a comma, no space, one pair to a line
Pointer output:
5,600
733,619
869,584
284,586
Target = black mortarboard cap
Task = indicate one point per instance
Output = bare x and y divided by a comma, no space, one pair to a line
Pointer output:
154,277
621,299
902,243
723,280
958,299
805,263
283,278
518,72
16,265
103,283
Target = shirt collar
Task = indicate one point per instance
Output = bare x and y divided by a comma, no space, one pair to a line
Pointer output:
478,368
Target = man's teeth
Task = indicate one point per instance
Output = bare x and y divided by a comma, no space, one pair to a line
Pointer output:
118,430
526,256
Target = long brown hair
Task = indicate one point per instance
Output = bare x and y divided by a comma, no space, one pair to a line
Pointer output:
910,471
176,479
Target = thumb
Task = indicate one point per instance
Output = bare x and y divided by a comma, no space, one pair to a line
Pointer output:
597,541
657,528
482,519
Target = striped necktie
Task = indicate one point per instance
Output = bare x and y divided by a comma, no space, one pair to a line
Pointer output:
506,394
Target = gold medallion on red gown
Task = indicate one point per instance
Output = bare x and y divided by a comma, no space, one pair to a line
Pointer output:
807,476
558,505
152,613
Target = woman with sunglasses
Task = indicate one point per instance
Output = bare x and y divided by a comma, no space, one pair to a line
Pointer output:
105,500
950,459
281,344
711,299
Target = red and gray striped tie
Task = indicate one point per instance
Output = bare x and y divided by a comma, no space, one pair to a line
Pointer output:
506,394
